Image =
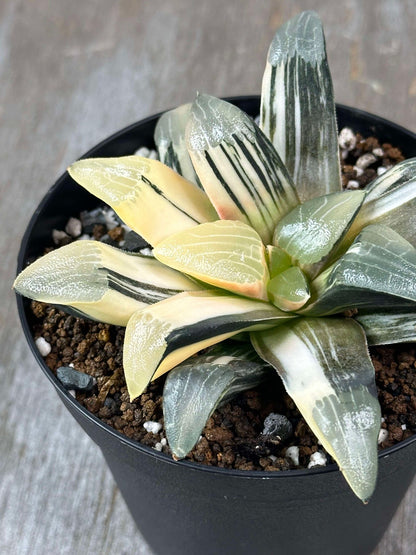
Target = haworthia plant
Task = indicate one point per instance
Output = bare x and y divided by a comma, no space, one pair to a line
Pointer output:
270,247
298,109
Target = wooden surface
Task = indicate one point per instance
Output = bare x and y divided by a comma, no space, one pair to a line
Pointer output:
71,73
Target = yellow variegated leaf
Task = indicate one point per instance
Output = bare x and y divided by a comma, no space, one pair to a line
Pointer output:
99,281
227,254
147,195
161,336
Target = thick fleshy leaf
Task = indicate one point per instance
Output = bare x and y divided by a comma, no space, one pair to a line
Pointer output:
378,270
391,201
278,260
289,290
388,327
147,195
195,388
99,281
171,144
238,166
165,334
311,231
226,253
297,106
326,369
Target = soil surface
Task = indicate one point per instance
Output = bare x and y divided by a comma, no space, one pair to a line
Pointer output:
233,435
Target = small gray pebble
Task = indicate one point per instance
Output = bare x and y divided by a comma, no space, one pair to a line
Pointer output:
133,242
73,379
277,427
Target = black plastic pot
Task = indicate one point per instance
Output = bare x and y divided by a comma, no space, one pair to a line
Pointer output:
185,508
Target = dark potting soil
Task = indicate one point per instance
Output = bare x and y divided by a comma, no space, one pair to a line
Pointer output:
233,435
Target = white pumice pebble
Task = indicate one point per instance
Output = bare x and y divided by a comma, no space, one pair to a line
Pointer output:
158,446
317,459
382,435
381,170
153,155
378,152
71,365
273,458
353,184
142,151
344,154
163,441
58,235
383,419
358,171
84,237
292,454
365,160
404,427
347,139
153,427
146,252
74,227
43,346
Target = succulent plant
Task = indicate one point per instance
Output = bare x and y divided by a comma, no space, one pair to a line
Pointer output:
253,239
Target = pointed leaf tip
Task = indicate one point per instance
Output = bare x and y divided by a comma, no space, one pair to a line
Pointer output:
298,109
238,166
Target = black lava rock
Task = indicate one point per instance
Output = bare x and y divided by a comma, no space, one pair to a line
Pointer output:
73,379
277,428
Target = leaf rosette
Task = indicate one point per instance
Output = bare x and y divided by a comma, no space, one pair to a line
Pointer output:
251,232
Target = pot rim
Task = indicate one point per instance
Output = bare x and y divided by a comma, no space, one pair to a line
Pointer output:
146,450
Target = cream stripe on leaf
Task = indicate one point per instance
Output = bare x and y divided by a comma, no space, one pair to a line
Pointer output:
391,201
311,231
326,369
195,388
147,195
226,254
297,106
389,326
99,281
377,271
238,167
165,334
171,144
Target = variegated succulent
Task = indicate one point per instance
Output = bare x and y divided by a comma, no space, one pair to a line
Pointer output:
251,232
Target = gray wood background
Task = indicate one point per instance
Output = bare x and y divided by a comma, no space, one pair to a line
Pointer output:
71,73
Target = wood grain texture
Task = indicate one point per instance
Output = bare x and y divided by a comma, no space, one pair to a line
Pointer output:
73,72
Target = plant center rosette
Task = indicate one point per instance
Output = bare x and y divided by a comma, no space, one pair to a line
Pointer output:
253,239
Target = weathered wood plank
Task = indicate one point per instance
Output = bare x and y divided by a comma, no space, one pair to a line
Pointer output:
73,72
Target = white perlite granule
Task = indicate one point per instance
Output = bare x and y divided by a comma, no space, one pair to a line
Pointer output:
382,435
347,139
74,227
58,235
317,459
146,153
152,427
43,346
292,454
352,184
